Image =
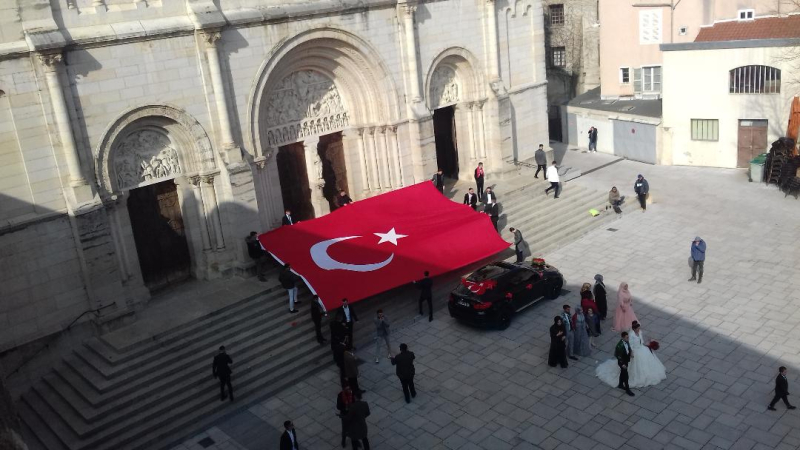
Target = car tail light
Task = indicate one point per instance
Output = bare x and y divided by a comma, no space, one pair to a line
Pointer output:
452,298
481,306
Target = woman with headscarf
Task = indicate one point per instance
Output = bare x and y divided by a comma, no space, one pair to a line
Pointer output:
558,344
587,299
581,345
600,297
624,315
593,321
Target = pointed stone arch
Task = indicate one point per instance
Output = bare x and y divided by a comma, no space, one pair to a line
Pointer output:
454,70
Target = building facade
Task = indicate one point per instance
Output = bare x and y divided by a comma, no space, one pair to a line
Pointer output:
141,140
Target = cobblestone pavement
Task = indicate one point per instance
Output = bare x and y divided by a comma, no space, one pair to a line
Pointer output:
721,342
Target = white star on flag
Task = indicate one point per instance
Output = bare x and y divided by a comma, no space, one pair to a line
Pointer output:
391,236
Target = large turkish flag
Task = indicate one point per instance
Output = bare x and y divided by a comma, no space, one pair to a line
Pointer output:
376,244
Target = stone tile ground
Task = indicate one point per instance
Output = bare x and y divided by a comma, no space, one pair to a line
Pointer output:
722,341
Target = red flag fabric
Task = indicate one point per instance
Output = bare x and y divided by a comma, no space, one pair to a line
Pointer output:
374,245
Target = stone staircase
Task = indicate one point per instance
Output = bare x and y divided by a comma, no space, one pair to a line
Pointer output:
158,392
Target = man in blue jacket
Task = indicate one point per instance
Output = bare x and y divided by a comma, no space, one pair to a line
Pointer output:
698,258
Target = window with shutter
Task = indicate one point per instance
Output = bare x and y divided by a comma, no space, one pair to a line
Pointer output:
650,26
637,80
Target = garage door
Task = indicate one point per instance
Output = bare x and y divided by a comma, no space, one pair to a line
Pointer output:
572,129
636,141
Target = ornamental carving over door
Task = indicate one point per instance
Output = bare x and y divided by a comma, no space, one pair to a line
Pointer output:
445,90
305,103
145,157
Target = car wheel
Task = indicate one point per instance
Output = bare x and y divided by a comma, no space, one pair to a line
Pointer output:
554,290
504,320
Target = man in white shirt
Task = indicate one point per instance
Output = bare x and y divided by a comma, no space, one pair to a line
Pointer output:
552,177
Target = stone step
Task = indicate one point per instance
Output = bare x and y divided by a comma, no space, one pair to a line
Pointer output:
540,227
543,205
35,432
584,226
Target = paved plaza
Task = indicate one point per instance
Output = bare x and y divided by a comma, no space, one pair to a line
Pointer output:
721,341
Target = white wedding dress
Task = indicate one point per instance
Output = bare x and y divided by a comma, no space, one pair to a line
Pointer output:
645,369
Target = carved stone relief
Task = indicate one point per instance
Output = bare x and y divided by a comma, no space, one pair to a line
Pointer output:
444,87
304,104
143,157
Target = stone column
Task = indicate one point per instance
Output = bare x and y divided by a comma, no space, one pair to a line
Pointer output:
493,63
383,157
372,158
406,10
81,189
481,132
234,154
473,147
210,201
315,180
201,210
397,161
362,153
119,245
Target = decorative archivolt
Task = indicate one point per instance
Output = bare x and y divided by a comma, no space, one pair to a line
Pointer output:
144,157
454,76
305,103
445,89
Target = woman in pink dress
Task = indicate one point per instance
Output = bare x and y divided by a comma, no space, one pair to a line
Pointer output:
624,315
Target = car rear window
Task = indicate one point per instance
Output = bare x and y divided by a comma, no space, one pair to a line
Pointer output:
486,273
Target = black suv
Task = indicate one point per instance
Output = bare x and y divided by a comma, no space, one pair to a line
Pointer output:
491,295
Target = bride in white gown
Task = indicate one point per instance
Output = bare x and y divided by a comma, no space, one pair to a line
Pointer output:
645,369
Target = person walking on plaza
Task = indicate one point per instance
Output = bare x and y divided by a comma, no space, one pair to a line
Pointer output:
221,369
343,402
642,188
623,354
425,285
479,176
518,244
357,423
287,218
382,334
438,180
593,139
489,196
781,390
288,280
558,344
405,371
258,255
552,177
569,327
471,199
624,315
317,312
351,370
493,211
600,297
581,341
343,199
348,317
541,161
698,259
289,437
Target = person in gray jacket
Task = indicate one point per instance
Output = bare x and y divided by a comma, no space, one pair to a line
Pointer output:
541,161
381,334
518,243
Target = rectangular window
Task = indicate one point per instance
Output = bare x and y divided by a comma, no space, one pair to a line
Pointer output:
556,14
637,81
650,26
705,129
624,75
651,79
746,14
559,57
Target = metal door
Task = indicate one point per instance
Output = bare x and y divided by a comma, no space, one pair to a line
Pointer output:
159,234
752,141
636,141
572,129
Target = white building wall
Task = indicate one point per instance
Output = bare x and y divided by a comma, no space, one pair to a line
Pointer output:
696,84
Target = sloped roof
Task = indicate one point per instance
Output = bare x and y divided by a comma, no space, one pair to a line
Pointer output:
759,28
635,107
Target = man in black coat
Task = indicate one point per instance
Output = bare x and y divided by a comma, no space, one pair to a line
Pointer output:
287,218
348,317
289,437
642,188
405,371
471,199
288,280
781,390
317,311
493,211
489,196
425,286
438,180
357,422
343,199
258,255
221,369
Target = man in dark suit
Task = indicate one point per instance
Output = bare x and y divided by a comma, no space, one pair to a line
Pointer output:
289,280
493,211
518,243
425,285
343,199
405,371
479,176
623,354
287,218
471,199
781,390
438,180
489,196
348,317
317,311
257,254
221,369
357,422
289,437
351,370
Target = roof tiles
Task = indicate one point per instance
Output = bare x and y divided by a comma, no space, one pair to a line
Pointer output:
763,28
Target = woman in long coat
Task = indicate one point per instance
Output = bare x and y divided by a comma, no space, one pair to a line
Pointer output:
600,297
580,344
558,344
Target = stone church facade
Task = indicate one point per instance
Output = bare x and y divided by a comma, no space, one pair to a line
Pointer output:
141,140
